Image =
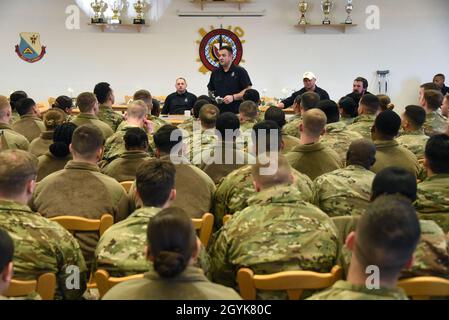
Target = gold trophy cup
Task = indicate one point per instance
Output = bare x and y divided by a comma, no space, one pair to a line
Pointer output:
326,6
116,10
140,7
303,7
99,7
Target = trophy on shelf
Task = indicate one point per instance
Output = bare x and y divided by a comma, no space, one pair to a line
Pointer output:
140,7
116,10
99,8
303,7
326,6
349,7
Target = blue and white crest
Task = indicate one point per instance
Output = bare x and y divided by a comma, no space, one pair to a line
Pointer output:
30,48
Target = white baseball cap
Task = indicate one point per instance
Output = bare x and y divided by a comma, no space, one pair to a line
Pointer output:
308,75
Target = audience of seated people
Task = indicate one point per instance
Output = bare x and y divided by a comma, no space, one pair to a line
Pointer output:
52,119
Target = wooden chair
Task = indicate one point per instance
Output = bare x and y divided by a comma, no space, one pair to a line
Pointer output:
294,282
226,218
204,226
75,223
127,185
105,282
422,288
45,286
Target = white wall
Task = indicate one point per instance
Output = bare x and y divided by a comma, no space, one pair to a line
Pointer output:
412,43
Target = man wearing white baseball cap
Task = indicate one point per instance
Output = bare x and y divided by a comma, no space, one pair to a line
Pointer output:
309,80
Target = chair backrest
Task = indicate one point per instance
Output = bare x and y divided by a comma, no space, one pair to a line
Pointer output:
422,288
75,223
45,286
105,282
226,218
127,185
294,282
204,226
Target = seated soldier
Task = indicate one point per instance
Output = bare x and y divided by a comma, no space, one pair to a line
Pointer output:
248,113
86,192
301,104
125,167
386,237
347,191
65,104
40,245
413,137
30,124
369,106
9,139
52,119
436,123
278,231
389,152
348,110
278,115
188,124
312,157
173,248
14,99
105,97
385,102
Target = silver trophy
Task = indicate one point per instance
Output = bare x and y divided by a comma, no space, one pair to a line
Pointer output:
303,7
327,6
349,7
116,10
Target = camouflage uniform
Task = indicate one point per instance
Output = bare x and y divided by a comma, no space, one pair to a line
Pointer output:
290,143
125,167
29,126
344,191
236,188
347,121
42,246
338,138
14,117
247,125
109,116
40,145
435,123
84,118
433,200
344,290
292,127
187,125
9,139
157,123
197,141
277,232
363,124
415,141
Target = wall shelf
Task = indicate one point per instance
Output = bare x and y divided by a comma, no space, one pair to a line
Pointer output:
204,2
109,26
340,26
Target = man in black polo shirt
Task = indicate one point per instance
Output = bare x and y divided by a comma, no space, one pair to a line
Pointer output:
359,89
229,82
179,101
439,80
309,81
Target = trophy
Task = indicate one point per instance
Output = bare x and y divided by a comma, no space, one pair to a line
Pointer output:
116,9
349,7
303,6
99,7
326,6
140,7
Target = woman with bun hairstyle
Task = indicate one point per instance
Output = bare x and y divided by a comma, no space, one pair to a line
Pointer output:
58,154
173,248
64,104
52,119
385,102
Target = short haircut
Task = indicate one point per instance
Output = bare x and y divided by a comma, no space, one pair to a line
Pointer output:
281,175
163,138
155,179
394,180
63,103
25,106
349,106
430,86
135,138
297,100
17,167
209,115
277,115
227,121
385,102
433,98
441,76
371,103
4,106
15,97
314,121
53,118
248,109
228,49
86,101
387,234
144,95
265,134
416,115
102,91
388,123
330,109
437,153
6,249
363,80
137,110
252,95
309,100
361,152
62,138
197,107
172,241
181,78
87,140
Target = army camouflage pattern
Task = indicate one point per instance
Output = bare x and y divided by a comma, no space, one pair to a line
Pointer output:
433,200
187,125
435,123
292,126
42,246
109,116
234,191
344,191
9,139
197,141
339,138
247,125
157,123
14,117
347,121
278,231
414,141
363,124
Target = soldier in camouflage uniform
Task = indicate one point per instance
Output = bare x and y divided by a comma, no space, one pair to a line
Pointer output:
195,119
347,191
65,104
274,233
277,115
433,193
30,124
368,107
436,123
41,245
348,110
9,139
237,187
413,137
301,104
105,97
